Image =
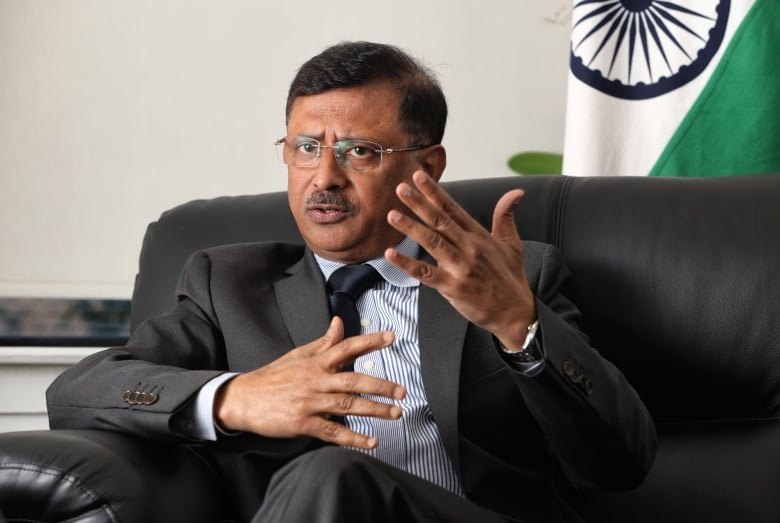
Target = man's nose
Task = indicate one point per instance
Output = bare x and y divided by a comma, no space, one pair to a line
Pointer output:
329,173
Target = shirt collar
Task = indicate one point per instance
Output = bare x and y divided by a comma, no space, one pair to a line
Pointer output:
389,272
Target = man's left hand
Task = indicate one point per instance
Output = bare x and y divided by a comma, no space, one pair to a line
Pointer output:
479,272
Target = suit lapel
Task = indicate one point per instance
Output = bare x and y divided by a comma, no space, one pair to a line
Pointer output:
442,332
303,302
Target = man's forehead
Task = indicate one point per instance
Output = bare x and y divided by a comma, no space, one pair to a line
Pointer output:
345,111
371,89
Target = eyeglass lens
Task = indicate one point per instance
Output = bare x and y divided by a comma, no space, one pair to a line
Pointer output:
352,155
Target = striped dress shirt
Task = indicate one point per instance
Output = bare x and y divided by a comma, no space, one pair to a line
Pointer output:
411,443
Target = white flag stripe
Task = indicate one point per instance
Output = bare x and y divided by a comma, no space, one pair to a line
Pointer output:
607,135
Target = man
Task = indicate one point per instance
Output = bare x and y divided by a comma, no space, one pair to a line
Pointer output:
451,405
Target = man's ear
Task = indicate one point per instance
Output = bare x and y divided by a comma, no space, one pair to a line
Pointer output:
433,160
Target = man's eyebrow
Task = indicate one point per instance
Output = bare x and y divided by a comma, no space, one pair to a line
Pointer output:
310,136
320,137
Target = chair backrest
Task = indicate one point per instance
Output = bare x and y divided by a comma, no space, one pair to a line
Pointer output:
678,279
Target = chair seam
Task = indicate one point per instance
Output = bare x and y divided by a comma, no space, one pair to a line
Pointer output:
560,213
104,505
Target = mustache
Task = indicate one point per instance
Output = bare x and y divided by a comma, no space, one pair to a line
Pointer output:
330,198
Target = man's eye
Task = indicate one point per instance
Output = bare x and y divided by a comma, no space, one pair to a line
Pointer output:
307,148
360,151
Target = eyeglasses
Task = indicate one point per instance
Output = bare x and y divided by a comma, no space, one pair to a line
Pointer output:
351,155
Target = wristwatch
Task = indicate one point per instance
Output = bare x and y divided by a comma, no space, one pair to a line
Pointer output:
530,336
529,354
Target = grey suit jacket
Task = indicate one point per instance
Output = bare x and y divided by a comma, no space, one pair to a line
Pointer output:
517,443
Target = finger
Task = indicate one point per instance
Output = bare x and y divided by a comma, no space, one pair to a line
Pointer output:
338,434
332,336
442,204
425,272
435,228
432,240
353,405
346,351
359,383
504,227
436,218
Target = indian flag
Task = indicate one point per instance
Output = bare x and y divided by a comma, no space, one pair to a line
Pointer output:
673,88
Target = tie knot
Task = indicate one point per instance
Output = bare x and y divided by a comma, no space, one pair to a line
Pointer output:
353,280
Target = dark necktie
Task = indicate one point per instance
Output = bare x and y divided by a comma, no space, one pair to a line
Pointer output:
345,287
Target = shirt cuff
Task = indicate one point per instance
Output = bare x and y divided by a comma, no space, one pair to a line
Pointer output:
526,366
204,425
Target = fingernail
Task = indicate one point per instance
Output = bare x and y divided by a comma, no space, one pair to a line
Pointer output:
404,190
388,337
394,216
395,412
372,443
421,177
399,393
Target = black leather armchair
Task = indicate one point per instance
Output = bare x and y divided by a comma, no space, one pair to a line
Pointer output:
679,284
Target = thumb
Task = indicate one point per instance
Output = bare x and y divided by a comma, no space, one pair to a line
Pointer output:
504,227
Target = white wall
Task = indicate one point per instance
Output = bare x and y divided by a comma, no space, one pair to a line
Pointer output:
25,373
113,110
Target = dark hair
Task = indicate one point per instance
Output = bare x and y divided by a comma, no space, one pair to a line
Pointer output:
423,110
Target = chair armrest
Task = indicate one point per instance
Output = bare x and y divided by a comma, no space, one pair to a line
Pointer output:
91,476
709,472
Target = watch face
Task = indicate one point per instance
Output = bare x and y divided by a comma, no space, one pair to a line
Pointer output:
533,350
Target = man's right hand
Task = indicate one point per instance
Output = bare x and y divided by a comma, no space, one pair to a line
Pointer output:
298,394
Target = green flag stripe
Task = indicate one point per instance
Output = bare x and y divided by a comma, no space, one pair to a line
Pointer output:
734,125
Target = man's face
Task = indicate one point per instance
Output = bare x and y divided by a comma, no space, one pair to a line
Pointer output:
342,214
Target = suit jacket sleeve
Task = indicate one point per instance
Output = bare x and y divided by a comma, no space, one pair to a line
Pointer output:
140,387
595,423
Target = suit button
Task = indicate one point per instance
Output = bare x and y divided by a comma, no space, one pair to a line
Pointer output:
150,398
571,372
587,387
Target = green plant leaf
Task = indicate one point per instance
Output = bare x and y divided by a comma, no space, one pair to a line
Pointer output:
536,162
